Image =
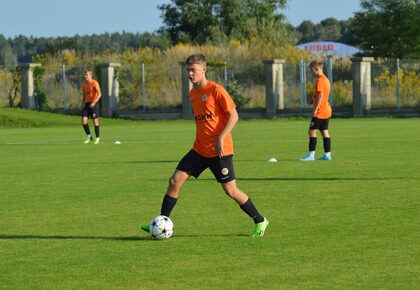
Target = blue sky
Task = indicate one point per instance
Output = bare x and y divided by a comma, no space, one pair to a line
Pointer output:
66,18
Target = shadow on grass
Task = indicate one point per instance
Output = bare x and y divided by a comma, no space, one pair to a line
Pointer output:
152,161
212,236
177,161
304,178
132,238
61,237
323,178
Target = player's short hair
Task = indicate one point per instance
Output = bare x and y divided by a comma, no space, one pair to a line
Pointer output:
196,59
316,63
88,70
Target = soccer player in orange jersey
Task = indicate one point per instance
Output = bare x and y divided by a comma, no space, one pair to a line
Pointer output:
321,113
91,96
215,116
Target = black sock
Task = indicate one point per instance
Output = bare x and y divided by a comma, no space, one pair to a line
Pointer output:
327,145
87,130
249,208
168,204
312,143
97,131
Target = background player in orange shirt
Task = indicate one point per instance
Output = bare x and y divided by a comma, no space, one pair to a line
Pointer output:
91,96
321,113
215,116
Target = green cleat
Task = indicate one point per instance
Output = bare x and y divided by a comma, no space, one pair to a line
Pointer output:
88,139
260,228
96,141
145,228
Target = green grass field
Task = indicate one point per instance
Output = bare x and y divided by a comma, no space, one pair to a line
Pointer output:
70,212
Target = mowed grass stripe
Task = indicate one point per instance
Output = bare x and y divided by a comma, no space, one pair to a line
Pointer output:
70,212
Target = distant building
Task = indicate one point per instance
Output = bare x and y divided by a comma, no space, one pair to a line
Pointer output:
329,48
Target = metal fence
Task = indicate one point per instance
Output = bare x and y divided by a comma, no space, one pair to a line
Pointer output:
394,83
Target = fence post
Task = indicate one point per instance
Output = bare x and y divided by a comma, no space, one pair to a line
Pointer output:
109,88
27,85
361,85
274,86
225,77
302,76
398,84
186,87
143,82
330,77
63,74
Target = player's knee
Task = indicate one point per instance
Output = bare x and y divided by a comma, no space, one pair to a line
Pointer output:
173,182
312,133
230,190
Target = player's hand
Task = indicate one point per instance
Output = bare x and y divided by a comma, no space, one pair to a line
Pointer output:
219,147
92,105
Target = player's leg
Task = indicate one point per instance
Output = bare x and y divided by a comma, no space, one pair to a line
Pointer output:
85,118
224,173
95,117
247,206
96,124
87,129
312,142
326,139
327,145
190,164
172,193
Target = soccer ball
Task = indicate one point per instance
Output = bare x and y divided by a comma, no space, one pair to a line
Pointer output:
161,227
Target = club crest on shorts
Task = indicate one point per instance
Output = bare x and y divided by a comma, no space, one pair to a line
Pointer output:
204,98
225,171
93,115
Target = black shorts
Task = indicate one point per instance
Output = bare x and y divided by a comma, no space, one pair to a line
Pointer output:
194,164
91,112
319,124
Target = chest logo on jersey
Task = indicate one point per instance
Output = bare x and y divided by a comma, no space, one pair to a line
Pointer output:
204,98
203,117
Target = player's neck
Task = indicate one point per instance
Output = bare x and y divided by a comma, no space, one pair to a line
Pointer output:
201,84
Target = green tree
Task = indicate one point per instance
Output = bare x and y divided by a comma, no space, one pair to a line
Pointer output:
201,21
307,31
388,28
6,52
329,29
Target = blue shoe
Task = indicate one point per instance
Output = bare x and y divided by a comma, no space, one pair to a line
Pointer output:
307,158
325,157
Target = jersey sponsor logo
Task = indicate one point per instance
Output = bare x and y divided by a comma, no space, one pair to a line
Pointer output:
203,117
204,98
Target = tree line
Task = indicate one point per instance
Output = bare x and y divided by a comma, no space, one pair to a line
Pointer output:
385,28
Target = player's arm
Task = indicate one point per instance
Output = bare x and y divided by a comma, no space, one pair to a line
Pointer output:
230,124
98,95
83,98
318,103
